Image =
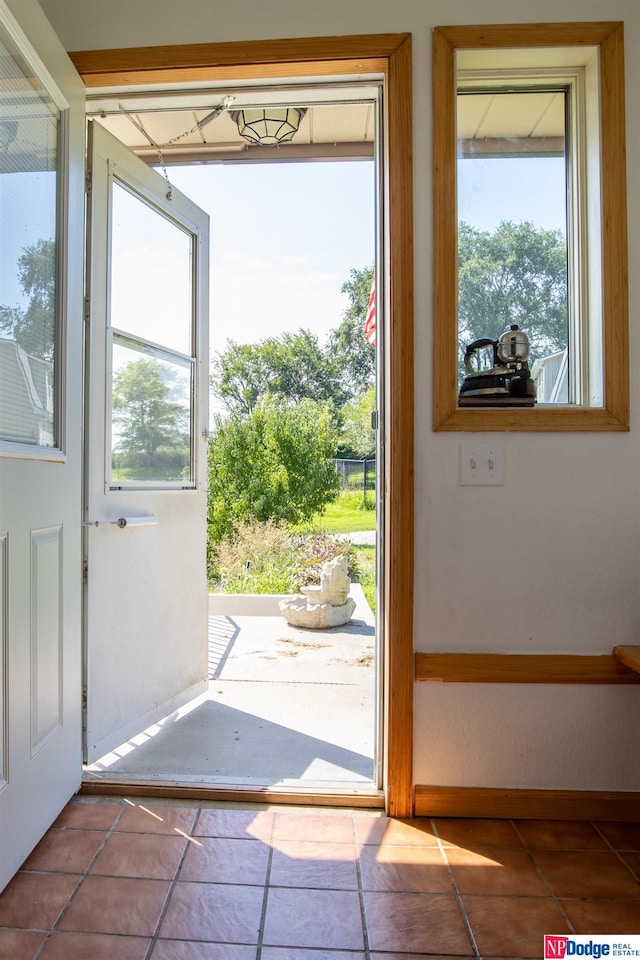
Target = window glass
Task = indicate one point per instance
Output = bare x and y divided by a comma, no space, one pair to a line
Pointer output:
151,415
512,230
151,292
29,131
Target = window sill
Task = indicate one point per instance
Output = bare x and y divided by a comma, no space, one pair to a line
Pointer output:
540,419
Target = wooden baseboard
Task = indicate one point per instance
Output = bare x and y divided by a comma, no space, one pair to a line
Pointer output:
522,668
499,803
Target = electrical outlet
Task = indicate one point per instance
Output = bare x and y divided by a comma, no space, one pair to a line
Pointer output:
482,464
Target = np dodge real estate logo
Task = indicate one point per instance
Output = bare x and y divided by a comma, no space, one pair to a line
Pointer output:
610,945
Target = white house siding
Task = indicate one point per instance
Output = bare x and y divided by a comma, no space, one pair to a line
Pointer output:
547,563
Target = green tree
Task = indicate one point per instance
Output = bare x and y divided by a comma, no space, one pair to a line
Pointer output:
35,330
292,366
356,356
517,274
9,318
275,463
150,426
357,437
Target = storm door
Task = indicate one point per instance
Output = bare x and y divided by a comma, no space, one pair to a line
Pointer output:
146,423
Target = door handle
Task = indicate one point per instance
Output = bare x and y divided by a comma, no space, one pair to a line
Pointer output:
122,522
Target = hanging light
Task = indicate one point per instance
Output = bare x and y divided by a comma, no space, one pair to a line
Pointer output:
269,125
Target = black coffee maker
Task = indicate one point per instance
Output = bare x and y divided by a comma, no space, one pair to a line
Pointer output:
507,382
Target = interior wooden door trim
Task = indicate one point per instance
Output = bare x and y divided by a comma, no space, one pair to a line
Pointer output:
388,55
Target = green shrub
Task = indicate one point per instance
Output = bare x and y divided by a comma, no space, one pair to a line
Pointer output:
273,464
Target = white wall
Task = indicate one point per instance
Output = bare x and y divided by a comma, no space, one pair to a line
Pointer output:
550,562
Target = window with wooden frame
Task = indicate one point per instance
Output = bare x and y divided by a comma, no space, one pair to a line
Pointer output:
531,102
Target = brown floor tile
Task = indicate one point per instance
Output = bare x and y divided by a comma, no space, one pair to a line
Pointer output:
307,918
190,950
494,871
413,922
213,911
404,869
332,828
415,956
65,851
474,833
602,916
35,900
20,944
622,836
306,863
94,946
512,926
140,855
295,953
560,835
116,905
632,860
241,824
222,860
587,874
157,819
389,831
89,816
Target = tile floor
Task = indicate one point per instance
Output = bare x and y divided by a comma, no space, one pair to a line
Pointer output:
121,880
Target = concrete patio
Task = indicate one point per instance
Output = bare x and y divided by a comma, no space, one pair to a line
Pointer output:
286,706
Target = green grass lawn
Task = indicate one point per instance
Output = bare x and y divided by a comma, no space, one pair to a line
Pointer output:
367,576
346,515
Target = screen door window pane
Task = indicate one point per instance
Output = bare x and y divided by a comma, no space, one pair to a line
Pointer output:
29,156
151,416
151,274
512,227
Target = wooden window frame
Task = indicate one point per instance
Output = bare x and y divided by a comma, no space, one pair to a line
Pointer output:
614,415
390,56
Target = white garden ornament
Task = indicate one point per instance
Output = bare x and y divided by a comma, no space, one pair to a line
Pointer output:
327,605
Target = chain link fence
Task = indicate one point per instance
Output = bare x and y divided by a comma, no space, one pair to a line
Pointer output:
357,474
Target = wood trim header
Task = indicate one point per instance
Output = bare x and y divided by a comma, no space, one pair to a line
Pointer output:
264,59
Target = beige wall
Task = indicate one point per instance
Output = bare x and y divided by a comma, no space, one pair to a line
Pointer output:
548,563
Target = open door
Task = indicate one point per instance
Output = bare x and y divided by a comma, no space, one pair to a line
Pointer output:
41,276
146,426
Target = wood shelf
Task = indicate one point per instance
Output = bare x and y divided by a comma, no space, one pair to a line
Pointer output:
629,655
528,668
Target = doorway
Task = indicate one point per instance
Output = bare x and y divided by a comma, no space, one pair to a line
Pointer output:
391,57
291,225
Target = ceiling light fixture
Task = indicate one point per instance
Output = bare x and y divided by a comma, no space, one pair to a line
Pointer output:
268,126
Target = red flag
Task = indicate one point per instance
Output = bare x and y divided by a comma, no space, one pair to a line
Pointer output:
370,319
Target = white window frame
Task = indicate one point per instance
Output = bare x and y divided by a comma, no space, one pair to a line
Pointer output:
582,170
10,448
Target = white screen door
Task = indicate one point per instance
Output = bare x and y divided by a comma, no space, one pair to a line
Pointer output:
146,420
41,275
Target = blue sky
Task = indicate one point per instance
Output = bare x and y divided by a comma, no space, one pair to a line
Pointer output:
284,238
27,214
493,190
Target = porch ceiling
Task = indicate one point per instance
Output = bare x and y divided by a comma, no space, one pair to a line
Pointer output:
342,127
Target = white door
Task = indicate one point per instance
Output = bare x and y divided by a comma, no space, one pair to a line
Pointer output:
146,423
41,277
